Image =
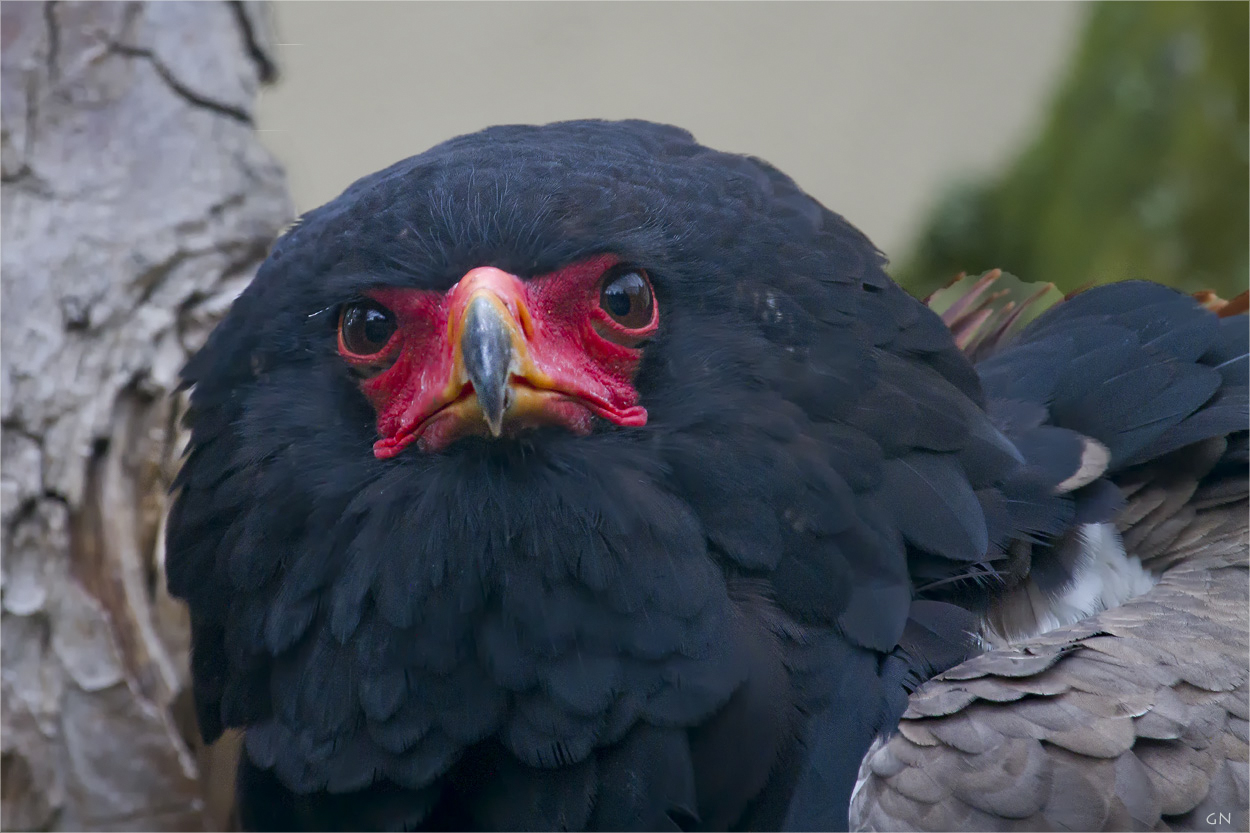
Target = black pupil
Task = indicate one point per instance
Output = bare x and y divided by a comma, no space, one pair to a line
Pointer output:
366,329
627,299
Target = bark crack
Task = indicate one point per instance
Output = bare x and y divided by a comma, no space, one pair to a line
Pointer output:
267,70
182,89
152,277
31,115
54,39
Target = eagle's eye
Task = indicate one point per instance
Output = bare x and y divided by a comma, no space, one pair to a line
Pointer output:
625,295
365,329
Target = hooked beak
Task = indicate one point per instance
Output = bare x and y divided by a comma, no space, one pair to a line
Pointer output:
487,352
496,381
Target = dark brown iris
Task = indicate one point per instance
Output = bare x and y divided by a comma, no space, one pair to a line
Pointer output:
626,297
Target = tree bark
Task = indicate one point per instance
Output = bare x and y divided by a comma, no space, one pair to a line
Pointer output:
136,203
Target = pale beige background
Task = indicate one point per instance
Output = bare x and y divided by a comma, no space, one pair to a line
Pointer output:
871,106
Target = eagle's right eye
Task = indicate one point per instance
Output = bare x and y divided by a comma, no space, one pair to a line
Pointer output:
365,329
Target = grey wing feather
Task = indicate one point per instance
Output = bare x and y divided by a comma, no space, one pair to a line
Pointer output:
1134,718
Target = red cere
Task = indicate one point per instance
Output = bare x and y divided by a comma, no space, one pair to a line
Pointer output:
571,360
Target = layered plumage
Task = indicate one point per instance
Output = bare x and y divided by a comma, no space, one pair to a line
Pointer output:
1117,697
700,622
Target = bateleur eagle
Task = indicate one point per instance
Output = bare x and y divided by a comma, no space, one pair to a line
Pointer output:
581,476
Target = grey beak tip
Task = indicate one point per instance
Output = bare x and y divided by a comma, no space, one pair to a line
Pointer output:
494,419
486,345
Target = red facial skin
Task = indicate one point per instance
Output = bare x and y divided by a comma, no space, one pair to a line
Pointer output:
571,360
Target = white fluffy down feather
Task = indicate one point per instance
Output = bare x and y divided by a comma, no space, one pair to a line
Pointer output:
1106,576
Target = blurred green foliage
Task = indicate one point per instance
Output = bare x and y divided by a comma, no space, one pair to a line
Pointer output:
1140,170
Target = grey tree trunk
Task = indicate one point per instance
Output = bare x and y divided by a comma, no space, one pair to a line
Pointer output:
136,203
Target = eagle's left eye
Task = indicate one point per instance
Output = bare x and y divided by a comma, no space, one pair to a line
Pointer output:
365,329
626,297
